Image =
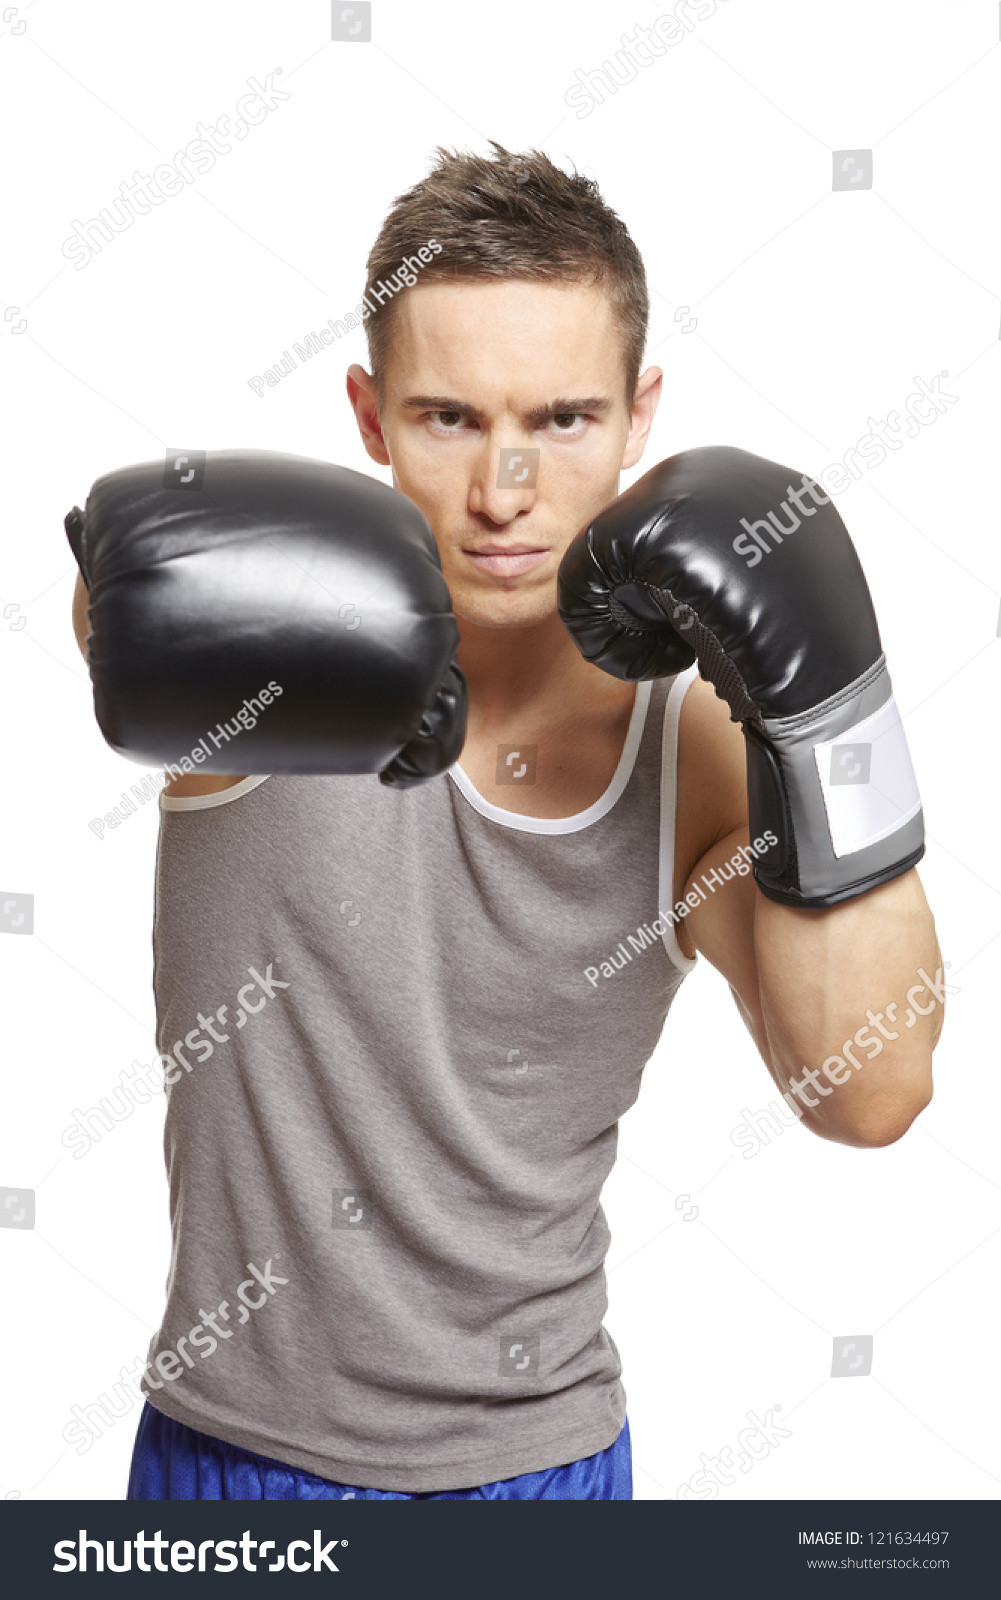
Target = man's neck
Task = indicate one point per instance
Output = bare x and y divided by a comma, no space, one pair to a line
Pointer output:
530,687
511,671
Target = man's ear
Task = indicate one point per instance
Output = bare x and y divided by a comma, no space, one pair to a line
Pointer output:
361,393
645,403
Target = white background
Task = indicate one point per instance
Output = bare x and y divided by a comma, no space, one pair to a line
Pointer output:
812,311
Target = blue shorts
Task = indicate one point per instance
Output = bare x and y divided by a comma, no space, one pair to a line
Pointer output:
172,1462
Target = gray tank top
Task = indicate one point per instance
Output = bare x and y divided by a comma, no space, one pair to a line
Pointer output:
401,1028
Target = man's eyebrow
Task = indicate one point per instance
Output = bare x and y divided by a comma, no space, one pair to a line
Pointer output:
437,402
598,405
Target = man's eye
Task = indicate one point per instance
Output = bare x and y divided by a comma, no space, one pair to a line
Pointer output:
564,420
447,419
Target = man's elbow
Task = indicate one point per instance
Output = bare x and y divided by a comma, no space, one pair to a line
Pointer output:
885,1118
887,1129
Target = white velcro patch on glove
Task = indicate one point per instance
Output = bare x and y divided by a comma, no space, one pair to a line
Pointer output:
868,782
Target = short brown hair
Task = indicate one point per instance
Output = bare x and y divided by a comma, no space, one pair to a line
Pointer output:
508,216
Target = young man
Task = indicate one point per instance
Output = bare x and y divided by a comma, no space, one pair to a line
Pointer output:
413,1104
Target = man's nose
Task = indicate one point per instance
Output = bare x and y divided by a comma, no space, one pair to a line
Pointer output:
505,481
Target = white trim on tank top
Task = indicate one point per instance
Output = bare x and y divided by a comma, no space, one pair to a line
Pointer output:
580,819
202,802
668,812
600,808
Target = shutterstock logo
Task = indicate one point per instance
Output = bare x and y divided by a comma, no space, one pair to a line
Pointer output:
852,169
184,469
17,1208
850,763
72,1555
141,194
351,24
519,1355
518,468
352,1209
852,1356
516,763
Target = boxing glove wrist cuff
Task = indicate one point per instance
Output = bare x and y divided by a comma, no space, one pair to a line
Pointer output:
836,787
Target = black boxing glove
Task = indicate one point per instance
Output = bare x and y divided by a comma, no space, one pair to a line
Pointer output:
438,740
275,614
715,556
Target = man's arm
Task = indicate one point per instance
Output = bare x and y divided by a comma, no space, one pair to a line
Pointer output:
813,987
80,625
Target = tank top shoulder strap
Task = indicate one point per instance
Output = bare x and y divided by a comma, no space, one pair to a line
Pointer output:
669,704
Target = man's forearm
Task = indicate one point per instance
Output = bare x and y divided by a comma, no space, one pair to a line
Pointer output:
81,626
851,1002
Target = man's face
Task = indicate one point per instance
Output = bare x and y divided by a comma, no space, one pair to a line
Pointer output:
534,370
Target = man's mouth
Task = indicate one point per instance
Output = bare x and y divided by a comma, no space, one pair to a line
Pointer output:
507,561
